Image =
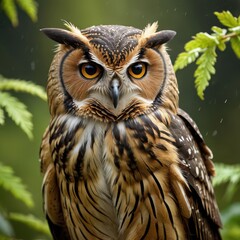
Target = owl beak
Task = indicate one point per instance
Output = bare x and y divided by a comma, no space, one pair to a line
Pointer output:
115,91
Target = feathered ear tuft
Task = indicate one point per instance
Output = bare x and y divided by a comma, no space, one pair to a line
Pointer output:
149,30
73,38
72,28
150,38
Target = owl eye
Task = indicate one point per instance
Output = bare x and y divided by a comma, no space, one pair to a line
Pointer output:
137,70
90,70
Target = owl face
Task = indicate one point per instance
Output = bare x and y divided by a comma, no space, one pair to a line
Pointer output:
113,66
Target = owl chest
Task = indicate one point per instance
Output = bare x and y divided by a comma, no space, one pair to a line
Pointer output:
91,151
112,175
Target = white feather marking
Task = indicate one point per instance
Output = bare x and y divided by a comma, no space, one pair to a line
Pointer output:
121,128
72,122
150,29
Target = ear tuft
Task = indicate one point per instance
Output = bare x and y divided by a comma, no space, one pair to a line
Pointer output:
72,28
63,37
149,30
159,38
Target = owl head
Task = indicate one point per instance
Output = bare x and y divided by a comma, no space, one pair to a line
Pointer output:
108,71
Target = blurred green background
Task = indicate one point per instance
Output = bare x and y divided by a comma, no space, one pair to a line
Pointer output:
25,53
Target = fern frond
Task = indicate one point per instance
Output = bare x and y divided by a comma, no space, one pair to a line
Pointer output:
17,111
31,221
10,10
207,44
186,58
14,185
204,70
227,174
22,86
29,7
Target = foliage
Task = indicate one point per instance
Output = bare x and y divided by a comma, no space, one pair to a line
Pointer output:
15,109
231,220
18,112
10,9
22,86
202,49
227,174
14,185
32,222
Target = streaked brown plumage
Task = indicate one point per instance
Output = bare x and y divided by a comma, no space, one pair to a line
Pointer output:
120,159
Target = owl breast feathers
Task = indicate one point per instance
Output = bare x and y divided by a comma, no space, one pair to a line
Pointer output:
120,159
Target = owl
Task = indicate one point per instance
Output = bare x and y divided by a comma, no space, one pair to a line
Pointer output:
120,159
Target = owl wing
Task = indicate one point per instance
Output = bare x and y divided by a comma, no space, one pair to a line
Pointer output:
198,169
51,195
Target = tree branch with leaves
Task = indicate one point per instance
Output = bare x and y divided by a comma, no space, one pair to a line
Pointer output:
203,49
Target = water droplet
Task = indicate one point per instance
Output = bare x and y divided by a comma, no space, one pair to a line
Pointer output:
221,120
32,65
225,101
214,133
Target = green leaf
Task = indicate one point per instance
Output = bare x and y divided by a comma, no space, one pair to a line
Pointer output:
32,222
221,46
235,44
30,7
10,10
218,30
17,111
186,58
204,70
201,40
14,185
22,86
227,19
